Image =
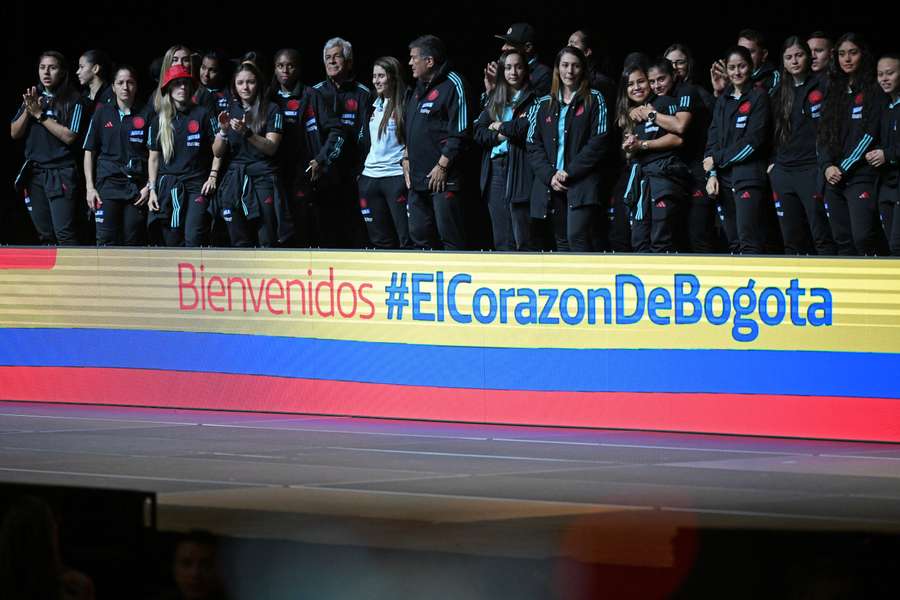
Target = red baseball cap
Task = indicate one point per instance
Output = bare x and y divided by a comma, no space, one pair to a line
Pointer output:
175,72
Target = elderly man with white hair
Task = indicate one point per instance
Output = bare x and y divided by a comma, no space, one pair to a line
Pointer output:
348,101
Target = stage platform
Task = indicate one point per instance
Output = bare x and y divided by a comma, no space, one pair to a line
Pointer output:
354,507
499,490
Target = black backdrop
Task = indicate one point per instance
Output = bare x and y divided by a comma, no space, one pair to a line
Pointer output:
137,32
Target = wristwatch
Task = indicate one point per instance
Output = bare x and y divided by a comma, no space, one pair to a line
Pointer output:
651,116
43,117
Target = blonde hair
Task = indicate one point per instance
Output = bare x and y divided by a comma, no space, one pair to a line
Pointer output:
166,116
166,130
166,63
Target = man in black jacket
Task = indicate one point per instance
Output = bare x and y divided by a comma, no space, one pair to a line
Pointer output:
347,102
437,132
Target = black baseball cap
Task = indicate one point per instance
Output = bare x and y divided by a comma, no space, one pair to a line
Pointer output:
518,34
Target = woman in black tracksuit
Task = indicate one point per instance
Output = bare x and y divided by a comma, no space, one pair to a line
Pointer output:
179,167
115,150
887,158
50,120
506,177
250,198
851,119
794,173
696,223
735,154
567,140
657,178
310,135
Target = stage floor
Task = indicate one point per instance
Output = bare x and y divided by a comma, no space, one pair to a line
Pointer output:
478,489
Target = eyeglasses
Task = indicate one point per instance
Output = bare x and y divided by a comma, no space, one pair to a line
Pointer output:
679,62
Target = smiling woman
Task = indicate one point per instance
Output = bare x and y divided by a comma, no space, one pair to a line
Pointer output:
733,159
653,125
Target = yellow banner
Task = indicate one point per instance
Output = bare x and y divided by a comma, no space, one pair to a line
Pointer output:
494,300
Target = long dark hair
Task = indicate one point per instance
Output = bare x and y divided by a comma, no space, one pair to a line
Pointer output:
836,111
584,88
623,102
65,93
394,104
783,104
259,111
503,92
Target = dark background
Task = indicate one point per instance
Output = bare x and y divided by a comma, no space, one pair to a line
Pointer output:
138,32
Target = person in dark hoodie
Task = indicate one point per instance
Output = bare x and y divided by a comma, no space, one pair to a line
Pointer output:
437,132
797,111
887,158
851,120
506,176
308,147
567,142
734,159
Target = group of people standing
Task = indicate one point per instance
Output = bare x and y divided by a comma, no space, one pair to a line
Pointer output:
801,158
